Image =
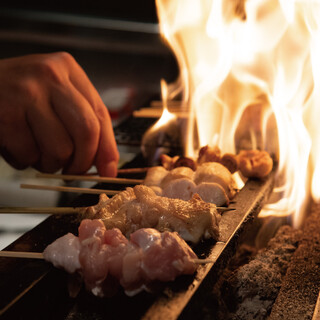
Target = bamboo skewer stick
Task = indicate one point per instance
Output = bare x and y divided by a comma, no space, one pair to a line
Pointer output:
157,114
203,261
122,171
21,254
89,178
133,170
170,104
224,209
39,255
50,210
69,189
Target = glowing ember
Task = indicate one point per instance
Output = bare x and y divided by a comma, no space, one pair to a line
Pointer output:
250,74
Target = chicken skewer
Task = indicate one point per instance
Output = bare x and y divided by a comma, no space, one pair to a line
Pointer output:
39,255
106,259
211,181
210,176
139,207
64,210
105,256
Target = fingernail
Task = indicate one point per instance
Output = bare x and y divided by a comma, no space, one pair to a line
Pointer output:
111,169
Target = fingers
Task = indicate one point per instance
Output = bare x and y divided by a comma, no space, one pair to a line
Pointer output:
107,155
53,140
83,115
82,125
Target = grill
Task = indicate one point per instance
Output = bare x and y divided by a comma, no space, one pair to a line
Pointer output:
34,289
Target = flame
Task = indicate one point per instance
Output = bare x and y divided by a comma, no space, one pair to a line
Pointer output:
162,133
250,75
166,116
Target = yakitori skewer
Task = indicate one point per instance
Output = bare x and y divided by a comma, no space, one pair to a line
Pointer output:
69,189
39,255
63,210
89,178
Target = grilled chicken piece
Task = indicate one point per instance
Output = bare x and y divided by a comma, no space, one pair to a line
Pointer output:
193,219
212,192
177,173
255,163
155,176
107,204
217,173
182,188
211,180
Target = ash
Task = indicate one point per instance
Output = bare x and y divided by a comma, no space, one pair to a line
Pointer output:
248,291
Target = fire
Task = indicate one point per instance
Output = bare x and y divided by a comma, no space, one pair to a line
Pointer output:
166,115
162,133
250,75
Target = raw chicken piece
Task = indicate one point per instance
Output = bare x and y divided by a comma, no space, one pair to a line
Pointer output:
105,258
167,250
64,253
95,229
101,255
212,192
193,219
182,188
216,172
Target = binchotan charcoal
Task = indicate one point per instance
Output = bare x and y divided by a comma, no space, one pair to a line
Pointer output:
300,289
248,292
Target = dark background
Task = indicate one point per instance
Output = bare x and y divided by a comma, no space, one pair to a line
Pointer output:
140,10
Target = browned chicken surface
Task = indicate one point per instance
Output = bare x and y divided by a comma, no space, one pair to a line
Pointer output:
140,207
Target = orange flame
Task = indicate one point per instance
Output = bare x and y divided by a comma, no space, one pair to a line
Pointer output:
166,116
165,127
249,72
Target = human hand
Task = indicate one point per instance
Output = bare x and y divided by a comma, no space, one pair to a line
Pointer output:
52,117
